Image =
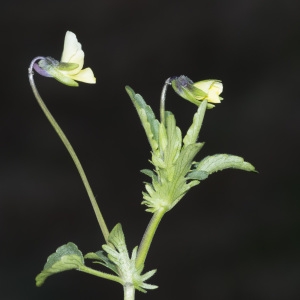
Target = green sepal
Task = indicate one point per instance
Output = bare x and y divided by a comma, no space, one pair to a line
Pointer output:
62,78
147,117
194,130
63,66
101,258
218,162
188,91
51,66
66,257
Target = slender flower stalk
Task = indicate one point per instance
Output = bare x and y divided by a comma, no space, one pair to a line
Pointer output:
69,147
163,100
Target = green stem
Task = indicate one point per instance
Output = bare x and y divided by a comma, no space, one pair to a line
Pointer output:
129,291
156,218
163,100
100,274
70,149
148,237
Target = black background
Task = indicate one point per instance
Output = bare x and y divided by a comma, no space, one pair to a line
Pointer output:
236,236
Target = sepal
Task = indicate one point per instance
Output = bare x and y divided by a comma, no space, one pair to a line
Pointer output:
52,67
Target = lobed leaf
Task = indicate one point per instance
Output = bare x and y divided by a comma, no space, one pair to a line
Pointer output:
66,257
147,117
193,132
218,162
197,175
101,258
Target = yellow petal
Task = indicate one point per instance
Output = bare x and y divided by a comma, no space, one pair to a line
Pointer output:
203,85
213,97
218,87
85,75
213,88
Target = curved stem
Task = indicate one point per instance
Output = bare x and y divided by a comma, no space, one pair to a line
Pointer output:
163,100
70,149
148,237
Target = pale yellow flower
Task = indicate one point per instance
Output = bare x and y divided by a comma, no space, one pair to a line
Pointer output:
196,92
213,89
72,53
69,69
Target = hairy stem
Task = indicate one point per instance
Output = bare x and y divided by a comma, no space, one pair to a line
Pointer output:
129,291
104,275
70,149
148,237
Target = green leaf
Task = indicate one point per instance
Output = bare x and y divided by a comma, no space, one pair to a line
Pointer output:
186,157
198,175
117,252
218,162
66,257
149,173
117,238
174,140
193,132
101,258
147,117
162,138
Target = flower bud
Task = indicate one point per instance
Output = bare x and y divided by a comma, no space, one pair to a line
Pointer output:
196,92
